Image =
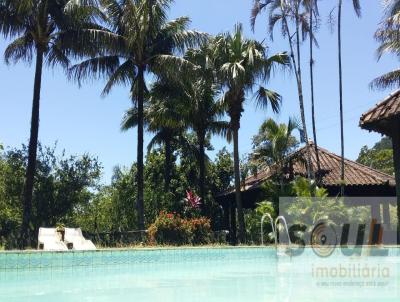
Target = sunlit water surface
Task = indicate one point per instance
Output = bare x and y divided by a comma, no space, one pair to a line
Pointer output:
230,274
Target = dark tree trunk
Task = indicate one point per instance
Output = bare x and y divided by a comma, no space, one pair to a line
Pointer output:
168,164
202,169
318,172
238,195
233,228
396,158
297,70
140,166
301,97
26,234
342,185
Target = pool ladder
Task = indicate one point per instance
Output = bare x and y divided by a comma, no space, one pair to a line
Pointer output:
274,227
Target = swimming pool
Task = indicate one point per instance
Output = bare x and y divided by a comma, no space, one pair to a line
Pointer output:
198,274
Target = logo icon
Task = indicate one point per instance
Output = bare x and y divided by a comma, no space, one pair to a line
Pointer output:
323,239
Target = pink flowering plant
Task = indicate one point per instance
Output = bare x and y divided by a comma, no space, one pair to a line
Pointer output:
192,204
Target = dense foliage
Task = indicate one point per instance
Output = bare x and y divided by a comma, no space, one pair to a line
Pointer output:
68,191
379,157
63,185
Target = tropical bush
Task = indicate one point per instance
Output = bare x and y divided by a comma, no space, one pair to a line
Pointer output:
253,222
172,229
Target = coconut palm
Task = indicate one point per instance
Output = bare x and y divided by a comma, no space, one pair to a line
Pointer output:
193,95
140,41
290,12
161,119
47,32
272,146
244,65
357,9
388,37
274,142
201,113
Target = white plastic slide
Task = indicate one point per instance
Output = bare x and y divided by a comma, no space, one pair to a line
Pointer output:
50,240
79,243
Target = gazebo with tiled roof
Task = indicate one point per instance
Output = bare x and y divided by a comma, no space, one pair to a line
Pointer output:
384,118
360,181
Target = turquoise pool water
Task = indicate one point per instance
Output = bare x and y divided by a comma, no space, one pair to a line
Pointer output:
205,274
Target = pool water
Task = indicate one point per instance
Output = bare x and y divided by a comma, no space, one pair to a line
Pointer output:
199,274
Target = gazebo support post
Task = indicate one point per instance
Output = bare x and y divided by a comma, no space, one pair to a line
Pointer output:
396,159
232,233
376,212
386,213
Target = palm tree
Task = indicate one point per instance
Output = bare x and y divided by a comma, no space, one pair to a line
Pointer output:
285,12
140,41
313,11
243,65
201,113
162,119
357,9
273,145
47,32
388,37
193,95
274,142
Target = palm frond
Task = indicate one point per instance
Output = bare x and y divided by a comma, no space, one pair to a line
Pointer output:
21,48
94,68
388,80
357,7
130,119
265,97
258,8
125,74
170,65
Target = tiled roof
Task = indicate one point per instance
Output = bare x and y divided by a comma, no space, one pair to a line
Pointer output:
355,174
377,118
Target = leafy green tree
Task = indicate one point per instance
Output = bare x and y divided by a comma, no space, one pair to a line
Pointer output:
379,157
244,64
63,184
221,172
140,41
12,173
47,32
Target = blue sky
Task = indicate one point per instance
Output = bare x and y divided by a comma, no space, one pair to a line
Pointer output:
81,121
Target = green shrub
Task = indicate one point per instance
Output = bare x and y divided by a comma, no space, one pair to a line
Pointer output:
253,222
172,229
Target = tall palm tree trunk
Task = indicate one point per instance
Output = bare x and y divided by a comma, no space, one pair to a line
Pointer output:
140,166
167,164
238,195
202,170
312,91
342,185
297,71
25,239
